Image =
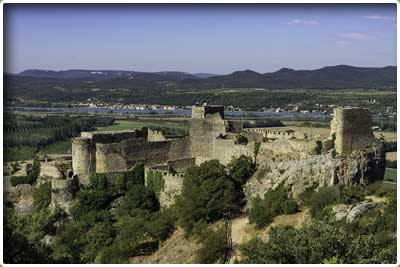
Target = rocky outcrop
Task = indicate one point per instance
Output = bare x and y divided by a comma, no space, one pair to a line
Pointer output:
361,208
341,211
360,167
21,196
350,213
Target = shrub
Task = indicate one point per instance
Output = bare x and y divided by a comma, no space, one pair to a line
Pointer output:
155,182
16,180
318,148
275,202
319,242
350,194
290,207
259,215
241,140
213,247
321,198
42,196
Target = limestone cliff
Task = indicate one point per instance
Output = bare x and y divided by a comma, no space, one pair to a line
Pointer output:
298,174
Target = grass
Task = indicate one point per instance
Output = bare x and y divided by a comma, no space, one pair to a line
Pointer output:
390,175
138,124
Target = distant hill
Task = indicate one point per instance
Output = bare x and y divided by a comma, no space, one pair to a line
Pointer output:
157,87
108,74
205,75
332,77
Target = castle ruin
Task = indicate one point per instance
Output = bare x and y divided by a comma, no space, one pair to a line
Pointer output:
350,155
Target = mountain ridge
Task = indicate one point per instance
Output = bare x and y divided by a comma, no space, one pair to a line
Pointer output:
329,77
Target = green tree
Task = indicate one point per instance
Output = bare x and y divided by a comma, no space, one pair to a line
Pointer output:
207,194
138,198
241,169
42,196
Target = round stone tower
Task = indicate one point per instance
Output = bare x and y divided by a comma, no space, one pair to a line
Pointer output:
83,158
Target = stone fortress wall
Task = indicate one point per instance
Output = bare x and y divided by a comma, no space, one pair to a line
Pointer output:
172,174
213,137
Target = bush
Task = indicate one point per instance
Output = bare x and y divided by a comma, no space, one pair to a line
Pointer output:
259,215
241,140
321,198
42,196
16,180
350,194
319,242
290,207
213,247
275,202
155,182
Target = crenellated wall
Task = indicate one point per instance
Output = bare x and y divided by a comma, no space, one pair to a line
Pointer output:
274,134
154,136
200,112
172,174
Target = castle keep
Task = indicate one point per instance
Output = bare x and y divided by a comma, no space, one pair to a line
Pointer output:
350,155
352,129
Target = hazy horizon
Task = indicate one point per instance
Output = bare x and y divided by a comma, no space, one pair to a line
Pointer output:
217,39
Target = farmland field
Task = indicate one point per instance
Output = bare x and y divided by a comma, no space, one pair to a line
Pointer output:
129,125
390,175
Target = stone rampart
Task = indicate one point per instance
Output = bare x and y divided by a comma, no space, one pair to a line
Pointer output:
114,157
225,149
287,149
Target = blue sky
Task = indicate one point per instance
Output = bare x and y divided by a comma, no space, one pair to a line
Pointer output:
198,38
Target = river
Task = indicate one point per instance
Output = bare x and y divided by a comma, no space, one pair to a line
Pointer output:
182,112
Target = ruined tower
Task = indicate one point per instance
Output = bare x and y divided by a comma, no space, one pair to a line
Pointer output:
206,124
83,158
352,129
